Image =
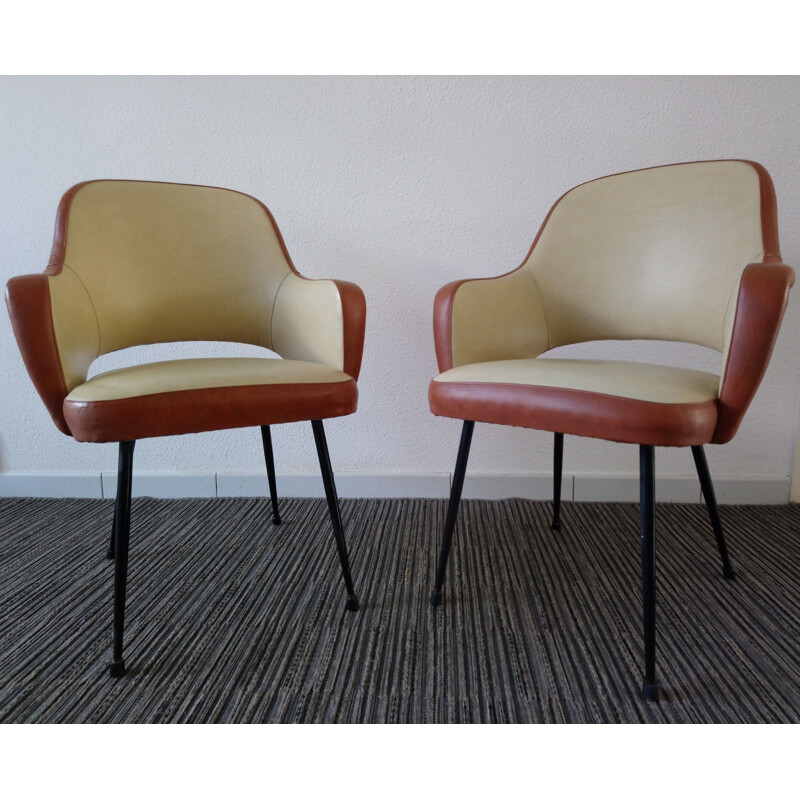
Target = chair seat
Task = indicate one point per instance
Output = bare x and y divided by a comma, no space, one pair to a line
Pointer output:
168,398
615,400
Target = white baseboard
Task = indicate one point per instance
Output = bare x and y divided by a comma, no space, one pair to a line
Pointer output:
501,486
348,484
65,484
625,489
165,484
752,491
491,486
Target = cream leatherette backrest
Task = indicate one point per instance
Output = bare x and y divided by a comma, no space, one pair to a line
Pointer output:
652,254
139,263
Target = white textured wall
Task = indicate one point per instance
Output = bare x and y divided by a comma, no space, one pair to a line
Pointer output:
401,185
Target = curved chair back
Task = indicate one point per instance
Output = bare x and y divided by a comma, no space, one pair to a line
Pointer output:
165,262
654,254
137,262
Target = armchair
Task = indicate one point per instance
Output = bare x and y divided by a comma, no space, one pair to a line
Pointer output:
135,263
686,252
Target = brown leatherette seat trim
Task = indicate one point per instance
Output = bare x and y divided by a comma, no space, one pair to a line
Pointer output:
197,410
763,295
578,413
28,302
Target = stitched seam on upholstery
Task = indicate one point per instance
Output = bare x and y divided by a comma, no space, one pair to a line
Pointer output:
574,391
762,255
341,308
91,303
272,315
541,303
724,375
450,323
734,291
63,386
452,308
769,210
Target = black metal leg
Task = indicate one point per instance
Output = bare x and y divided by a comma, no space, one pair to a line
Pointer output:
647,509
122,526
452,509
711,504
558,460
266,438
333,507
110,551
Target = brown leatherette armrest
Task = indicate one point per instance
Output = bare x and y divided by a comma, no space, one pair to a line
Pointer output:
354,319
28,302
489,319
763,295
442,324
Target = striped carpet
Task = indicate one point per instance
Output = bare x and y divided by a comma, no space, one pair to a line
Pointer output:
233,620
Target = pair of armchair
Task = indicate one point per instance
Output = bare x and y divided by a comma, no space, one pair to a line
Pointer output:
687,252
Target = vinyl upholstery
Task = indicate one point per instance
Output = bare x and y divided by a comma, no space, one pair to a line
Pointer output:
686,252
136,263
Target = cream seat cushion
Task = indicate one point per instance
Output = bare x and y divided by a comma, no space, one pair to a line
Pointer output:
649,382
616,400
200,373
192,395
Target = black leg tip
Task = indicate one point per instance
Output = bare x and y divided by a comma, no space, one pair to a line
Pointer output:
110,554
728,573
650,691
436,598
276,520
555,526
352,604
117,669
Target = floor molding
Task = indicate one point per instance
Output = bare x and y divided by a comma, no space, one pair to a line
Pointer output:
55,484
348,484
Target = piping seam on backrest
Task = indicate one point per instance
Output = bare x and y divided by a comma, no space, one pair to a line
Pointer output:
541,303
272,313
91,303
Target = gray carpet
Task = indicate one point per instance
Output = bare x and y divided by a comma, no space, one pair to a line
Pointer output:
233,620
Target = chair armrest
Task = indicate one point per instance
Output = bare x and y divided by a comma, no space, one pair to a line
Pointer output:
56,330
489,319
753,325
321,321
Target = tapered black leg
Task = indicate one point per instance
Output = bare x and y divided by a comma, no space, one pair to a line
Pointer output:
333,507
558,460
110,551
266,438
711,504
122,525
452,509
647,510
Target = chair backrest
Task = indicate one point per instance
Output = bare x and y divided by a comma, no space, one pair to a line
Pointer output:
165,262
653,254
137,262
